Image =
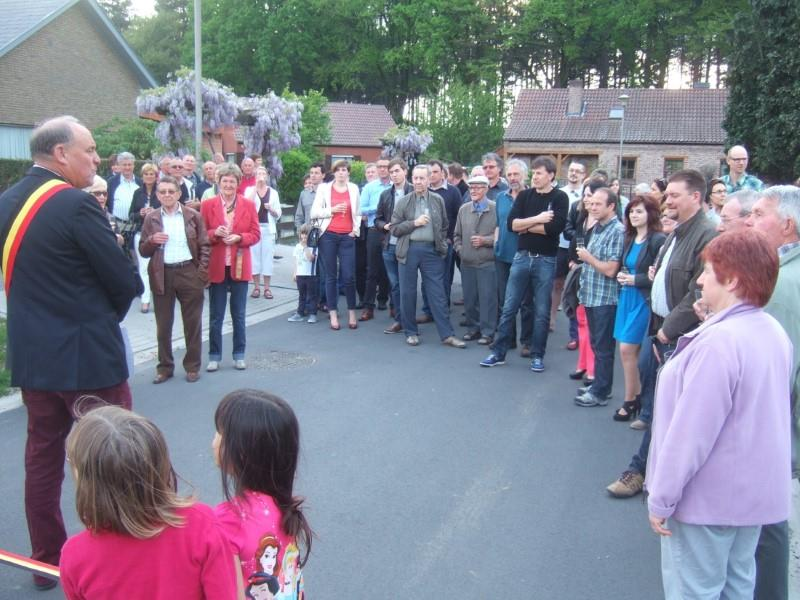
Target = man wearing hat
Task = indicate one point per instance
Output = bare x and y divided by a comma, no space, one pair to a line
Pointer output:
538,215
473,240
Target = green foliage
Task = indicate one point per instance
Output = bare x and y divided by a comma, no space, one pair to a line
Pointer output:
358,170
296,163
5,376
466,121
155,40
12,171
132,135
315,129
763,111
118,12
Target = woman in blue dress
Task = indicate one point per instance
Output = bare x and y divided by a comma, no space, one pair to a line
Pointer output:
643,240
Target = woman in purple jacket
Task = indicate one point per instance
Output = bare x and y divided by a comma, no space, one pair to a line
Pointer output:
719,464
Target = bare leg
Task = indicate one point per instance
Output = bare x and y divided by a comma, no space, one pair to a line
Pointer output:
629,355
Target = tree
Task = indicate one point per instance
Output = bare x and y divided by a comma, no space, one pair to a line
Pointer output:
118,11
155,39
763,111
136,136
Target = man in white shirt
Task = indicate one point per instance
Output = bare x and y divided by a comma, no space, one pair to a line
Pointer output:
576,173
121,187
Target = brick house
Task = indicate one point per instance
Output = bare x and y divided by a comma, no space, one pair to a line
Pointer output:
62,57
356,130
664,131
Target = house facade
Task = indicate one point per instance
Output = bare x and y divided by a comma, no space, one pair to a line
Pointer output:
356,131
62,57
664,130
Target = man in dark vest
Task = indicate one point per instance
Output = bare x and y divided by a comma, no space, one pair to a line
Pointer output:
64,339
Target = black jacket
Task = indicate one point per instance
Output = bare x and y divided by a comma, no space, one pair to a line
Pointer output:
71,286
383,214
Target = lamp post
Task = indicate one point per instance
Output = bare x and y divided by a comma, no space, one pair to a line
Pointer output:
623,100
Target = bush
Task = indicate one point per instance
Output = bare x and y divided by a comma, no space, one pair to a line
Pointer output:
136,136
357,169
295,166
12,171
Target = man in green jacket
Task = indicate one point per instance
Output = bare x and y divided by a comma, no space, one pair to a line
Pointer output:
777,214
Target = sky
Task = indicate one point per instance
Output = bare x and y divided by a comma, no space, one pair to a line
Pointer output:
143,8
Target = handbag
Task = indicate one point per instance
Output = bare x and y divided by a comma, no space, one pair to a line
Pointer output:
313,235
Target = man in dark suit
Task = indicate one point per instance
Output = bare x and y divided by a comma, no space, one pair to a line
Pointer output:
64,339
122,185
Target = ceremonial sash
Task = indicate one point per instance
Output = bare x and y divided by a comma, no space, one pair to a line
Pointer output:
21,222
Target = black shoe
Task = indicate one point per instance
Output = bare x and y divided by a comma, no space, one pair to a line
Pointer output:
472,336
577,375
381,305
629,410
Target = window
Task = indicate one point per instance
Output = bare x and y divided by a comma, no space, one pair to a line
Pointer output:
671,165
628,169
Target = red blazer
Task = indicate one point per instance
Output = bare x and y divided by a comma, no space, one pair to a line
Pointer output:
245,223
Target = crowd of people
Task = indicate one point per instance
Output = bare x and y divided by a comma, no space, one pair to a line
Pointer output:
697,280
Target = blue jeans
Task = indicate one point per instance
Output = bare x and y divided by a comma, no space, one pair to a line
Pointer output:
339,248
601,336
423,257
449,270
217,301
536,271
392,271
525,309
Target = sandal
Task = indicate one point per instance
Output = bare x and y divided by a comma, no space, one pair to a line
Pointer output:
256,293
268,294
629,408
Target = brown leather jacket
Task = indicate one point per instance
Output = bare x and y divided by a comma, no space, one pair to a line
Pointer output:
196,237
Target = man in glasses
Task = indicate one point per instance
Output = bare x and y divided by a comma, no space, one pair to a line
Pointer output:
734,213
737,177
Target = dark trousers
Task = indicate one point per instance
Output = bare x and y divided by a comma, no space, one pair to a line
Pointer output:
50,417
377,280
525,309
393,273
338,249
360,273
601,336
772,563
449,270
423,257
480,298
184,285
320,270
307,286
217,301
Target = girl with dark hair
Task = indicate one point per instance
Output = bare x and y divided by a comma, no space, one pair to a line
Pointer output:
256,448
643,240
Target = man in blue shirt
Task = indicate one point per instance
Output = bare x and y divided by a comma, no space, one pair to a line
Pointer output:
376,278
737,177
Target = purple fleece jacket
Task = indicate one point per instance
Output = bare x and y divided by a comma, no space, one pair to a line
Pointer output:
721,447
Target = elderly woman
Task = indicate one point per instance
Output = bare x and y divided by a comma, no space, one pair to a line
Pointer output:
719,464
232,224
144,200
643,241
99,189
336,207
268,207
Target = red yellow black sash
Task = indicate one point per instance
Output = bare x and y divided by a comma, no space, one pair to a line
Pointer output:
21,222
35,566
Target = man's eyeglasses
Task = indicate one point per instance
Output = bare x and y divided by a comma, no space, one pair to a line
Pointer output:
741,159
99,193
166,192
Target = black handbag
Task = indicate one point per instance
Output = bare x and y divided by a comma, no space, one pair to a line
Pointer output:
314,234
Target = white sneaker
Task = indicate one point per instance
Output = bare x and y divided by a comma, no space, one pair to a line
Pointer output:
239,364
212,366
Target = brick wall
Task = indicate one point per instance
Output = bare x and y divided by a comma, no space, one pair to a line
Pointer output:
649,157
66,68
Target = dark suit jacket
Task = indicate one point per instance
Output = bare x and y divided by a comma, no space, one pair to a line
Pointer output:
71,287
113,184
383,215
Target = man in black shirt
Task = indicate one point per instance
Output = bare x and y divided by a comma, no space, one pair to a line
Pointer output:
538,215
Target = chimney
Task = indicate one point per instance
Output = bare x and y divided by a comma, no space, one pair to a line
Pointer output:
575,98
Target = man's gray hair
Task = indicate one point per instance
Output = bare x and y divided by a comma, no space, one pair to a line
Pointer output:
788,197
746,199
51,133
521,164
125,156
493,156
423,166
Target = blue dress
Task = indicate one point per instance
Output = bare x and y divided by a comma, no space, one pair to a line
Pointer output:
632,310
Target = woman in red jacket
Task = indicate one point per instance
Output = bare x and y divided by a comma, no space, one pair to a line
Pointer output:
232,224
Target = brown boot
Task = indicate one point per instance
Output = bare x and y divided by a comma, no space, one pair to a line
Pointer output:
367,315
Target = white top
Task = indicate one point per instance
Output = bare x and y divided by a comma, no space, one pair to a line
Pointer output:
176,249
123,196
658,293
274,204
302,265
574,196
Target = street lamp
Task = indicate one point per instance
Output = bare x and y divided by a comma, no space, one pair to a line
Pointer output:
623,100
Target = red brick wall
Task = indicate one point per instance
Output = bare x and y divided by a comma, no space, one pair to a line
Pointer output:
66,68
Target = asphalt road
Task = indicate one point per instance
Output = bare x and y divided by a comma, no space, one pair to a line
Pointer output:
425,475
